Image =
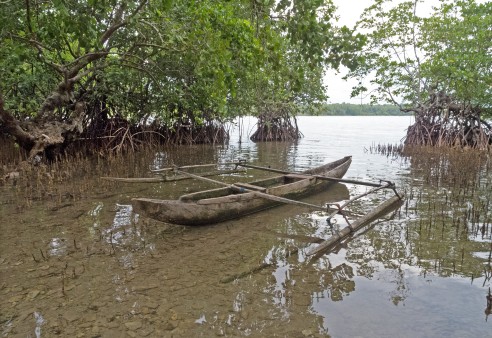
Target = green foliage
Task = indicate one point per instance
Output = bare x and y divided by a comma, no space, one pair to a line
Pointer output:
170,61
408,56
460,42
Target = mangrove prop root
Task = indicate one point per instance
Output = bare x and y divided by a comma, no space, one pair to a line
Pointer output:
443,122
276,127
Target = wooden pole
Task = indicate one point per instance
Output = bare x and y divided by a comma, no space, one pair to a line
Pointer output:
341,180
258,193
357,224
135,179
167,179
192,166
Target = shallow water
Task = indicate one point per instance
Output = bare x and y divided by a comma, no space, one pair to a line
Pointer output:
76,260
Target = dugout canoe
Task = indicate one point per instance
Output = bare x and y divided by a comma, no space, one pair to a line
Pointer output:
240,199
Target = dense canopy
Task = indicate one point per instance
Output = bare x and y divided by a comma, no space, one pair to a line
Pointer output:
177,69
438,66
113,74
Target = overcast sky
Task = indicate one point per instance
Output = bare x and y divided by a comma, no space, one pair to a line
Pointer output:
339,90
349,12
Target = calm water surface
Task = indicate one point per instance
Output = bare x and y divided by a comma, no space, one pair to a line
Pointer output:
76,261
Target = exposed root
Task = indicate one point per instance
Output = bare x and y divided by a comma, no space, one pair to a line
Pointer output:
117,135
443,122
278,126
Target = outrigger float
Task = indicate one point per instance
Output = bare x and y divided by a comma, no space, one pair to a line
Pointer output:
240,199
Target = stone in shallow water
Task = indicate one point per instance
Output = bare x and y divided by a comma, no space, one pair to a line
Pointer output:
134,325
170,325
307,333
146,331
151,304
15,299
33,294
112,324
96,331
71,316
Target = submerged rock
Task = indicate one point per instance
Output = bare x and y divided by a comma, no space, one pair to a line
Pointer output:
134,325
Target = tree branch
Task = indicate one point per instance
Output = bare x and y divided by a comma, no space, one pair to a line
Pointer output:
118,22
28,16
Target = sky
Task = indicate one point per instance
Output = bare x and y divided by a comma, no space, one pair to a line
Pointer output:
349,12
339,90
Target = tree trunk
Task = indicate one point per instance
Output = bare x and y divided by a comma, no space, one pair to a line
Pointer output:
45,139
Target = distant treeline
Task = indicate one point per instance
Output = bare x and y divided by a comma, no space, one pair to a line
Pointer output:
359,109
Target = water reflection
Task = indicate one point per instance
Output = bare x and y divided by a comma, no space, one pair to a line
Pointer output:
92,267
453,215
160,161
39,322
57,247
117,232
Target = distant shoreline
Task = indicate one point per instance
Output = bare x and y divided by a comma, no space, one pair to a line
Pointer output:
350,109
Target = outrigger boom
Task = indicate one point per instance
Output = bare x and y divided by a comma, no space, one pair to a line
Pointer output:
334,179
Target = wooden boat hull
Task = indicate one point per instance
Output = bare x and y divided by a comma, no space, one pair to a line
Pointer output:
217,205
